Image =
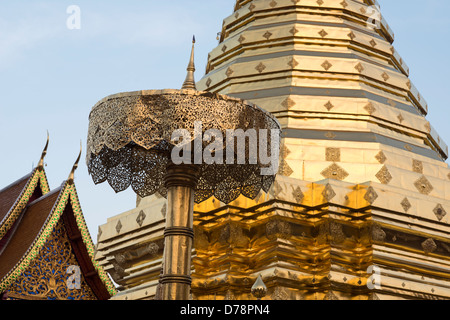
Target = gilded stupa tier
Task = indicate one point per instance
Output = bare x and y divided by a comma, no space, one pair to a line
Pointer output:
363,185
337,86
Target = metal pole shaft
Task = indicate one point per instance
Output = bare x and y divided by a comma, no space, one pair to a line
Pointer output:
179,233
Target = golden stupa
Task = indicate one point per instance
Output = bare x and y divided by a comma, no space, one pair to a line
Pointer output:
359,207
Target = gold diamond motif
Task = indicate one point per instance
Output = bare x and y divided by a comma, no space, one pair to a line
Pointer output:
298,195
335,172
118,226
285,169
320,2
400,118
140,218
381,157
277,188
229,72
385,76
327,65
279,294
273,3
293,63
333,154
241,39
284,152
406,204
373,43
371,195
288,103
267,35
294,30
370,108
328,193
359,67
260,67
208,82
330,135
440,212
384,175
423,185
329,106
417,166
352,36
323,33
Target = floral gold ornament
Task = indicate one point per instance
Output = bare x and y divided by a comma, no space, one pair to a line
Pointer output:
335,172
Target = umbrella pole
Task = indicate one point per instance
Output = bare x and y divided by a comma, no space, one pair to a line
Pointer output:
176,279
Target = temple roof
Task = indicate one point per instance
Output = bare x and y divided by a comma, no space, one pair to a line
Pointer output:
27,231
32,218
17,195
9,195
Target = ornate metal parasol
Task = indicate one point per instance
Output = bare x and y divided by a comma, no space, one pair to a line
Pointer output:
131,143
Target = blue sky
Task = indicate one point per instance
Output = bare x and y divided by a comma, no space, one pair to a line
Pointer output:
50,76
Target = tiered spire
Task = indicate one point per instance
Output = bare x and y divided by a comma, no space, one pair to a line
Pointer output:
362,184
326,63
356,143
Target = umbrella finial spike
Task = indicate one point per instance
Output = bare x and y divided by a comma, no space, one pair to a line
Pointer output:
189,83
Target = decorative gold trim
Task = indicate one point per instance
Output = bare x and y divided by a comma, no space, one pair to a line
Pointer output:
87,240
37,175
34,249
21,202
